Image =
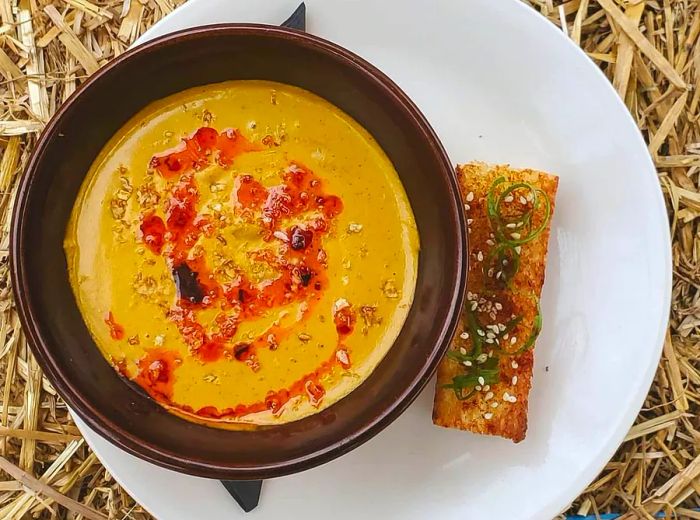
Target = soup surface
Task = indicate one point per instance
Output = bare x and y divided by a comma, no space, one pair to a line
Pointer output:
243,251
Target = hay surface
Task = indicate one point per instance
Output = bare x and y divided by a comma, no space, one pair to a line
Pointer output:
647,49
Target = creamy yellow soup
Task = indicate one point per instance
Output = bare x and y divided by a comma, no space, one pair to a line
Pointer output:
243,251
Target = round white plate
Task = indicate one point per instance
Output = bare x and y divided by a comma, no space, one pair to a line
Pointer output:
501,84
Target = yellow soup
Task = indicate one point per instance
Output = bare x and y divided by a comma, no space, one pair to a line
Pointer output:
244,251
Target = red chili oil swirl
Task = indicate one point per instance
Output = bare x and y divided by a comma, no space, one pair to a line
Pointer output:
299,264
116,331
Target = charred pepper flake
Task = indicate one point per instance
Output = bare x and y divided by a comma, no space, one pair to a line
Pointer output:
187,284
116,331
241,351
301,238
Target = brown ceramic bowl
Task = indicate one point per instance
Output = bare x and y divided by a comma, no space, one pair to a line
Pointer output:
120,411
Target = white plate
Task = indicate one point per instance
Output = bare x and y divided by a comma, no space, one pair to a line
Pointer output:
501,84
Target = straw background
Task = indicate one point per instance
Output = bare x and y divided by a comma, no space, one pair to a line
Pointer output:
647,48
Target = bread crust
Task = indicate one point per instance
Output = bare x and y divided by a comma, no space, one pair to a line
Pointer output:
478,413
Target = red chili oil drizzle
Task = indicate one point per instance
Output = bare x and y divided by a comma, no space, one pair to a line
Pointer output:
116,331
155,373
195,152
299,264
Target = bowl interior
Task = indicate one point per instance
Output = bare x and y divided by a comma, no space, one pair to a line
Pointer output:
53,322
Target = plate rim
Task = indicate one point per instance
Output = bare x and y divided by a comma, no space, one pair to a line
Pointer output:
564,496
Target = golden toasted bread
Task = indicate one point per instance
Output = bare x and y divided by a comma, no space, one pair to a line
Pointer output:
484,381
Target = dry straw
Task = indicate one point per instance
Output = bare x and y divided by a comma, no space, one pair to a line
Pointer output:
646,48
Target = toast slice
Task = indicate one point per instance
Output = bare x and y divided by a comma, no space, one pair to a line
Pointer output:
484,381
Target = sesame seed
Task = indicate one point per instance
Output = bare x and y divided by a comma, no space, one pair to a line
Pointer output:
509,198
516,236
490,273
469,230
513,399
480,332
498,306
513,340
523,200
499,274
490,242
480,256
514,381
469,221
481,358
470,196
487,388
481,380
464,335
474,305
494,404
506,396
490,335
514,364
488,340
488,415
477,388
467,207
530,197
505,261
490,353
488,395
511,225
505,336
467,363
518,249
501,327
470,295
463,351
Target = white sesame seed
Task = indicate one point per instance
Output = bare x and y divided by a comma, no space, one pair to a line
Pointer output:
490,335
505,336
477,388
480,256
489,395
518,249
463,351
481,380
488,415
467,363
470,196
469,230
513,340
505,261
470,295
490,353
482,358
514,381
509,198
499,274
516,236
530,197
511,225
523,200
498,306
467,207
488,340
501,327
506,396
480,332
494,404
464,335
513,399
487,388
490,273
474,305
470,221
514,364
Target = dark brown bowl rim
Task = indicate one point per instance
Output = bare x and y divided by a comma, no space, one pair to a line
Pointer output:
165,458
